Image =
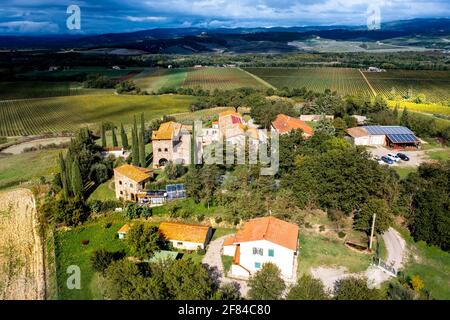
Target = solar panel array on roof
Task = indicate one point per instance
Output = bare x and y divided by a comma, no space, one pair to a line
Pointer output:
379,130
402,138
176,191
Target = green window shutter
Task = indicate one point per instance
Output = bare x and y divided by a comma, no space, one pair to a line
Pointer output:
271,253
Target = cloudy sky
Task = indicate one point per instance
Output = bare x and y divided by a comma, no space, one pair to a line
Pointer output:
102,16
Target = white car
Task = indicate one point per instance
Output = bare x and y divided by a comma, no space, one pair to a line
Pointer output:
393,157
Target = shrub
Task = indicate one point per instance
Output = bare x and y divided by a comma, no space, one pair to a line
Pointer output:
84,242
417,283
341,234
108,225
102,259
200,217
322,228
308,225
218,220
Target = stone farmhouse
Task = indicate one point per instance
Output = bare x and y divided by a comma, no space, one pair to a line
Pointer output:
171,142
129,180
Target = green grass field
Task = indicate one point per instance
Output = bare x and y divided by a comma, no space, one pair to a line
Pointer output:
395,84
104,192
343,80
69,113
27,167
317,250
70,251
430,263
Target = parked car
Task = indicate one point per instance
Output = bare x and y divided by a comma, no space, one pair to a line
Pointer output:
387,160
393,157
403,156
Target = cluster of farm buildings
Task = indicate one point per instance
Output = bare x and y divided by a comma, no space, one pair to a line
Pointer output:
260,240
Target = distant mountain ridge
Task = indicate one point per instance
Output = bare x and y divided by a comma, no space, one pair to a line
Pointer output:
194,40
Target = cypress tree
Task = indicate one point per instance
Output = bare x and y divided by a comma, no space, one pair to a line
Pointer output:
69,161
134,148
142,159
124,137
62,167
103,136
77,181
404,119
114,137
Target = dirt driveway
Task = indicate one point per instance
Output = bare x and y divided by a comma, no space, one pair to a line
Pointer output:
18,148
395,247
416,157
22,274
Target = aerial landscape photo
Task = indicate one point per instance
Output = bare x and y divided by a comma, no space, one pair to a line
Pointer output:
225,150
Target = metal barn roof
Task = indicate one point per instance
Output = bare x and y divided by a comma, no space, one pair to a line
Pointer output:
388,130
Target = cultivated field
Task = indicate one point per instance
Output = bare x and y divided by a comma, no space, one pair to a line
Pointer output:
221,78
398,84
34,116
343,80
154,79
39,89
22,273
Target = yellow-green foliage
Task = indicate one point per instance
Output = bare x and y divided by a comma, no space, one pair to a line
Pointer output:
432,108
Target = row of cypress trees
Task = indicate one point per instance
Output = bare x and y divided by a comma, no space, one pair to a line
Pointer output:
72,182
123,136
137,140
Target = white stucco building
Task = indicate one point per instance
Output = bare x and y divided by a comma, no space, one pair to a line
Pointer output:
263,240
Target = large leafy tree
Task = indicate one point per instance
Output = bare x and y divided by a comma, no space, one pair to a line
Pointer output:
352,288
340,179
188,280
307,288
266,284
363,219
144,240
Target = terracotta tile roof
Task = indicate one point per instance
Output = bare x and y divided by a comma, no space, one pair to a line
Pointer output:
124,229
357,132
184,232
271,229
285,124
229,241
229,113
166,131
136,174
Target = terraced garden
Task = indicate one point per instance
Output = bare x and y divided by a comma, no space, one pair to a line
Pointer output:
343,80
35,116
398,84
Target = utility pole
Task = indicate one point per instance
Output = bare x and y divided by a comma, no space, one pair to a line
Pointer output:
371,231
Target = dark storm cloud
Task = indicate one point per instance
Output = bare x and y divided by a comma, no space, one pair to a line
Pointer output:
33,16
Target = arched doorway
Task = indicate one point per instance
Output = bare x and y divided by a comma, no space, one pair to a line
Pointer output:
162,162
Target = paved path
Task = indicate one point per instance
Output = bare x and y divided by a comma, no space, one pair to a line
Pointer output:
213,259
395,247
